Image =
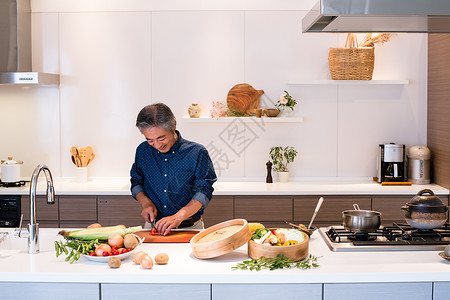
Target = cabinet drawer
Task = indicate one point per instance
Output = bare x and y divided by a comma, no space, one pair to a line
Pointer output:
263,208
44,211
219,209
331,210
390,208
78,208
115,210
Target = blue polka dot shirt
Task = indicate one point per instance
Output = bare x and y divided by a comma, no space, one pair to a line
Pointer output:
172,179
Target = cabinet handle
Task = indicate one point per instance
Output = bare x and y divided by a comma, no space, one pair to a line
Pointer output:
103,201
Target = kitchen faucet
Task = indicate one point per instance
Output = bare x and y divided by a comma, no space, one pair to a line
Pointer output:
33,227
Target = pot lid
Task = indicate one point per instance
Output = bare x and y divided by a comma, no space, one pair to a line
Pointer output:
426,197
10,161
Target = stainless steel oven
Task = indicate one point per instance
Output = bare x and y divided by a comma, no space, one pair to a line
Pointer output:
10,210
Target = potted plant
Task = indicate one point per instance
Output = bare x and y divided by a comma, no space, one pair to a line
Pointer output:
281,157
286,101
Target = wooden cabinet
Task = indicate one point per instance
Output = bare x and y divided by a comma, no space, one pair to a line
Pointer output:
115,210
169,291
219,209
378,290
47,215
272,211
77,211
390,208
438,106
331,210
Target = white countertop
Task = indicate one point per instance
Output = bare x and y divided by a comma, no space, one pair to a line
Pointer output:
121,186
183,267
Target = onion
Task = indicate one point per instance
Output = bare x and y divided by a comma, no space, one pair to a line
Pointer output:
102,248
138,257
146,262
95,225
115,240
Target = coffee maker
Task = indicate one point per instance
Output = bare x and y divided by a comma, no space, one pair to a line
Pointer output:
391,163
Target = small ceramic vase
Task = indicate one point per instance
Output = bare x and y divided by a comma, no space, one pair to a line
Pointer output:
194,111
283,176
286,112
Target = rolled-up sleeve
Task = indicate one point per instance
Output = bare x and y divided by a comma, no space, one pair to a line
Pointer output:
205,176
136,178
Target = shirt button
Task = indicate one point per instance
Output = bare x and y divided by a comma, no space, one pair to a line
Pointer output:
165,206
165,159
165,175
173,151
165,191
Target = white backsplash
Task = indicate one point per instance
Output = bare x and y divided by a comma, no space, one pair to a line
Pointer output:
113,62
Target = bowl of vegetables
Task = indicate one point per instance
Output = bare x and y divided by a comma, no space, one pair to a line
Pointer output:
99,243
271,242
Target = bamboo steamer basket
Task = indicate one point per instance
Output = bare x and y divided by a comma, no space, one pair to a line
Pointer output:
224,245
294,252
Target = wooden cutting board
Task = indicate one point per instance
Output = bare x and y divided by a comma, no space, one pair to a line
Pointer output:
243,97
182,236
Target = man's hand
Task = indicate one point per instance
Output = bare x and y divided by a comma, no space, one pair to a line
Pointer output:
149,210
165,225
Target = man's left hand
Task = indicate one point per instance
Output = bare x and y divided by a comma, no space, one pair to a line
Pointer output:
165,225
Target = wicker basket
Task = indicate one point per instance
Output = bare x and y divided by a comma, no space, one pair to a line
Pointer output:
351,62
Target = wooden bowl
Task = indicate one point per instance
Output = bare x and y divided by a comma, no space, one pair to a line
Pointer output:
222,245
294,252
271,112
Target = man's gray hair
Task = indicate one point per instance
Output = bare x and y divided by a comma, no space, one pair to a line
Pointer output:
156,115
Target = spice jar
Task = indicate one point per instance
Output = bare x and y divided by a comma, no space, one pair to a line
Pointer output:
194,111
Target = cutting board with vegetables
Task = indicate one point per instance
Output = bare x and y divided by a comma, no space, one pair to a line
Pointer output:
243,97
182,236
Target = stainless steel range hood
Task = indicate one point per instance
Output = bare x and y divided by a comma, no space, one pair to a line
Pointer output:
15,46
426,16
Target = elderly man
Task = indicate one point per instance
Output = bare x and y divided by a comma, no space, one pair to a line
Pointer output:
172,178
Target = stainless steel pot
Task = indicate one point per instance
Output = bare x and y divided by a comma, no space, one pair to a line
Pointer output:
425,211
361,221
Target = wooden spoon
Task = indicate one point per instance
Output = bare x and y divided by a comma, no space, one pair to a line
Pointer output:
91,158
75,156
89,151
83,157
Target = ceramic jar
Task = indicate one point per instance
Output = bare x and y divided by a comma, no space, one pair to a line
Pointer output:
194,110
10,170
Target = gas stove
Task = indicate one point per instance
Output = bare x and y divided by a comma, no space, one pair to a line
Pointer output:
398,237
12,184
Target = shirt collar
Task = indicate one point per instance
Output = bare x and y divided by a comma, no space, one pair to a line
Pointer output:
177,143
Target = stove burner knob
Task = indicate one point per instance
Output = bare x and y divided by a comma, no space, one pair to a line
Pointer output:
406,236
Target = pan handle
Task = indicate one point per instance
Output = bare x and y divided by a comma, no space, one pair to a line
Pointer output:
356,206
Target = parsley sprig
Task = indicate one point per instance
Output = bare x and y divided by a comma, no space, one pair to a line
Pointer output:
279,262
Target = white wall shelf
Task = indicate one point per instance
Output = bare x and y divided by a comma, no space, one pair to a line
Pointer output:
348,82
244,119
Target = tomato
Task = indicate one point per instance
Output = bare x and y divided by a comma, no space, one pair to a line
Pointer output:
92,254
